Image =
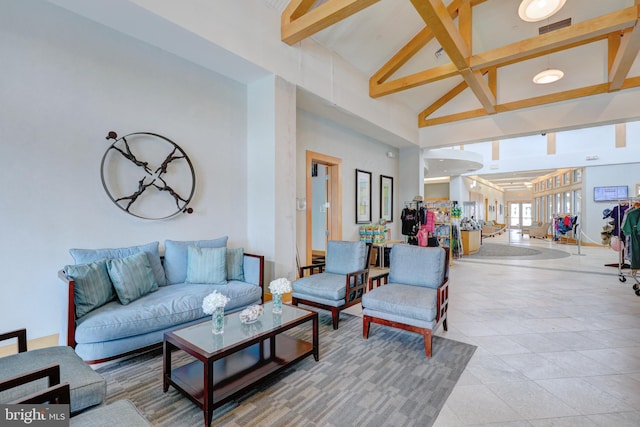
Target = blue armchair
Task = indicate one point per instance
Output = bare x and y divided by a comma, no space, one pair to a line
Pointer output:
414,295
338,283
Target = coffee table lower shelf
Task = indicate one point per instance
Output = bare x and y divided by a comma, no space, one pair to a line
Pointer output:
237,371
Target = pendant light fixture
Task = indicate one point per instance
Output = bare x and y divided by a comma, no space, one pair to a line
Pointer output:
550,75
537,10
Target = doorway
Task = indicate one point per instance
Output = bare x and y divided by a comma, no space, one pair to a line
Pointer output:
520,214
324,203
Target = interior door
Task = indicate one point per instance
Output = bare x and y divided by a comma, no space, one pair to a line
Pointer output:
325,215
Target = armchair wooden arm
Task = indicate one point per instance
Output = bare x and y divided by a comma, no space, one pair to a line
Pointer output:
356,285
20,334
59,394
311,269
378,280
52,372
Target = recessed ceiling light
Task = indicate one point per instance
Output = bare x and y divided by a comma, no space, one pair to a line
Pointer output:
548,76
537,10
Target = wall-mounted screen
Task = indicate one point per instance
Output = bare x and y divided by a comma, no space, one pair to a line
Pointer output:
610,194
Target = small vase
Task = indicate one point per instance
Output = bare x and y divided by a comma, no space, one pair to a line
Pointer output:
218,320
277,303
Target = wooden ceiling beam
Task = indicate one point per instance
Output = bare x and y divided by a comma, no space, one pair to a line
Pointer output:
629,83
436,16
514,52
315,20
423,77
444,99
414,45
625,56
295,9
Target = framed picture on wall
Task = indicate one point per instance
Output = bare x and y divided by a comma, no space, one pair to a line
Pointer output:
363,197
386,198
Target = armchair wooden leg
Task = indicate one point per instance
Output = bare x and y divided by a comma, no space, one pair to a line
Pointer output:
366,322
444,324
335,316
427,342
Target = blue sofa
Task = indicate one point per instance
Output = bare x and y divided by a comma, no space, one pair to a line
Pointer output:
133,318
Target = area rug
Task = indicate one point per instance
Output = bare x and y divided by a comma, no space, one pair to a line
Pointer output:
385,380
495,250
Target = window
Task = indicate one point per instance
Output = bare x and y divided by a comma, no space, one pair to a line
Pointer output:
535,187
541,185
577,175
566,178
577,200
558,203
566,202
549,183
556,181
549,208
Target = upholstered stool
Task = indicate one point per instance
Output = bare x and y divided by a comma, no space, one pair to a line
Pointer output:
88,388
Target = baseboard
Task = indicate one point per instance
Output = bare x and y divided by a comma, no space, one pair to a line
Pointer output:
42,342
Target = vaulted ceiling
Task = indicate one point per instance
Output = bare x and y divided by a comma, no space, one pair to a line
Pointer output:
456,60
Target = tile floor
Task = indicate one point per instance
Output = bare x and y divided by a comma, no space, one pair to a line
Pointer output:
558,340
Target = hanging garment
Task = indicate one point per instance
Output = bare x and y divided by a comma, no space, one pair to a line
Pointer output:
410,221
631,229
617,215
423,236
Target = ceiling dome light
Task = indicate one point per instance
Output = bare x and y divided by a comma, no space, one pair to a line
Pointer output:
537,10
548,76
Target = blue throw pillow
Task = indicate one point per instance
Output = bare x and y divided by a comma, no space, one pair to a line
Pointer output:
132,277
92,288
175,256
206,265
82,256
235,264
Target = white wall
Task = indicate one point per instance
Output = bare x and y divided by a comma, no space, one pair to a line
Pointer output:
65,83
357,151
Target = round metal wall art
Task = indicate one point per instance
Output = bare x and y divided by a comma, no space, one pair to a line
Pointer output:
147,175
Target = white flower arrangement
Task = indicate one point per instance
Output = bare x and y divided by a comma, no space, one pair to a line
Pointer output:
212,301
280,286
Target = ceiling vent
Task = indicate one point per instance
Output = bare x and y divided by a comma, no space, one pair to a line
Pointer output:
555,26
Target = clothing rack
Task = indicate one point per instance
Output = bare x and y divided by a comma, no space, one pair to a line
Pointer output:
633,204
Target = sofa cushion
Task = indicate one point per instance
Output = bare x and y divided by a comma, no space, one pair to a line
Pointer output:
88,388
167,307
83,256
175,256
206,265
324,285
235,264
416,265
132,277
92,288
345,257
410,301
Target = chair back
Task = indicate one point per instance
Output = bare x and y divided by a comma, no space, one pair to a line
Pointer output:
418,266
346,257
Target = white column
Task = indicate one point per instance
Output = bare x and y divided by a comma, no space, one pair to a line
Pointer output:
411,174
271,145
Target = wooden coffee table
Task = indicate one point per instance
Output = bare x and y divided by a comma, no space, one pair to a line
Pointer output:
230,363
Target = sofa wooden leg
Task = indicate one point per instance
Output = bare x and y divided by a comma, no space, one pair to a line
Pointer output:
444,324
335,316
366,322
294,301
427,343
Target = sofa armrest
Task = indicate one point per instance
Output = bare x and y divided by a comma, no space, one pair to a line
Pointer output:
253,269
20,334
69,312
312,269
